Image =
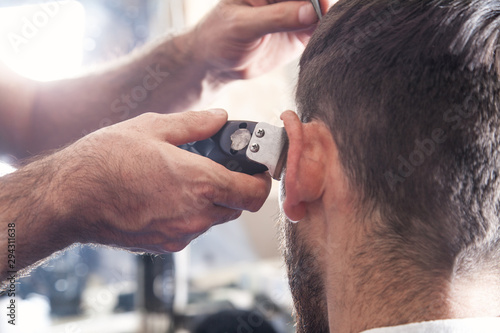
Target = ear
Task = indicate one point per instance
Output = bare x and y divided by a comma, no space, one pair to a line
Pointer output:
309,149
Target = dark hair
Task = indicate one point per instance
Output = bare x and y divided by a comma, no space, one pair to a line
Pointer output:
411,92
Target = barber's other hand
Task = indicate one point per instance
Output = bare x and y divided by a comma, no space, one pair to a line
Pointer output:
137,190
241,39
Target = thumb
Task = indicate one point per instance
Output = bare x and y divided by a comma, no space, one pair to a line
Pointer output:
192,126
281,17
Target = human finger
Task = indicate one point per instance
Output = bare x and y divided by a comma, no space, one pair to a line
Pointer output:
325,5
179,235
186,228
185,127
277,17
241,191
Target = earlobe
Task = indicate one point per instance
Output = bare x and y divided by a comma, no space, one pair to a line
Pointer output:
305,170
294,211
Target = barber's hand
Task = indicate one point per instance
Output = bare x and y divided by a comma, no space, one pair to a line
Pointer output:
241,39
143,193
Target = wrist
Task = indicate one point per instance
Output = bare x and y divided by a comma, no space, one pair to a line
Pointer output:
32,207
79,191
185,76
61,200
193,48
69,206
189,51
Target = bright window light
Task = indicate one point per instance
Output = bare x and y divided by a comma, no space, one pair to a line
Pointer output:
5,169
44,41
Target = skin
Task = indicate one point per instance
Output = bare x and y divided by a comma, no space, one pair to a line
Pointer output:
335,288
128,185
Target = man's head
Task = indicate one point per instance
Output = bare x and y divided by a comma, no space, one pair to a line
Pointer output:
410,94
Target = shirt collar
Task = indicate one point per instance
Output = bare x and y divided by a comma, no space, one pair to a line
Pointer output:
468,325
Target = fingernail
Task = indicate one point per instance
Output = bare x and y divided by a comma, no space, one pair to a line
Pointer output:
217,112
307,14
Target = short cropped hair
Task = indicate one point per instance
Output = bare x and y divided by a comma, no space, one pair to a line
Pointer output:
411,92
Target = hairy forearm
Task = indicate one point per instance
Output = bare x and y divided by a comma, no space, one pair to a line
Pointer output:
164,77
27,217
34,221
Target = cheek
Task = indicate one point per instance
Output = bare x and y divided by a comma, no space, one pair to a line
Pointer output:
305,280
294,238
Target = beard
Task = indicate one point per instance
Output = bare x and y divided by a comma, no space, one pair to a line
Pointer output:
305,279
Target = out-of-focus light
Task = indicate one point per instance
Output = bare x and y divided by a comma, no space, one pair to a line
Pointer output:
61,285
89,44
45,41
5,169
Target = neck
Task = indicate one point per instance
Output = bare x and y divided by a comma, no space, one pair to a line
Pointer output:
367,290
475,296
366,297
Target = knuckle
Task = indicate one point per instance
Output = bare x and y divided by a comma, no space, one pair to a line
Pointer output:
149,120
234,216
148,116
197,226
229,15
175,246
207,194
280,17
230,216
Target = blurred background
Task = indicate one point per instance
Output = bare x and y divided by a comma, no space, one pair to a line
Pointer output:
233,274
